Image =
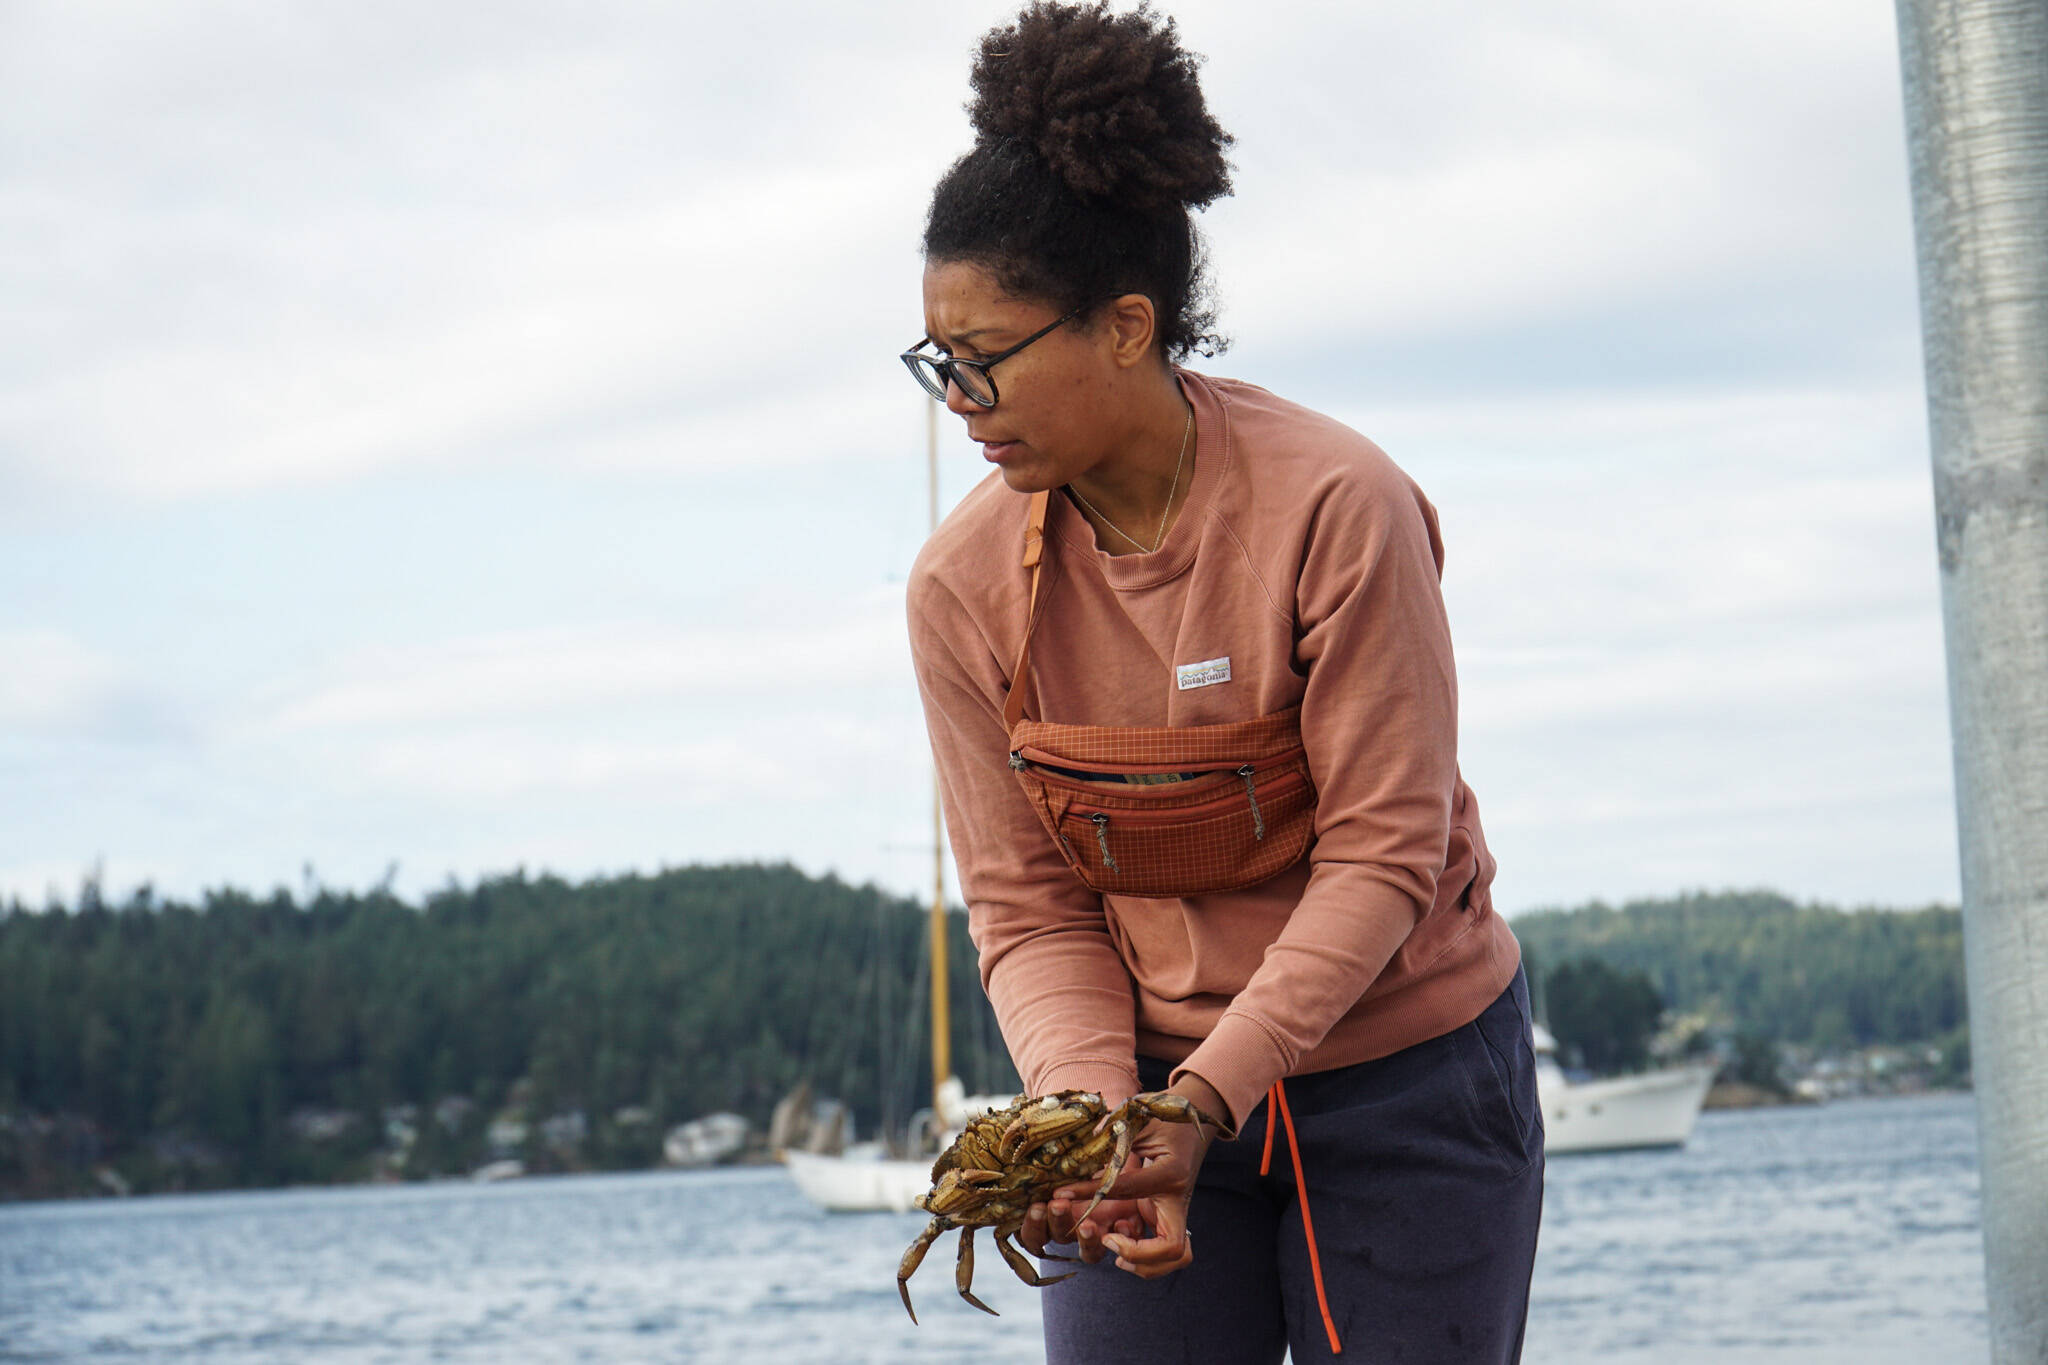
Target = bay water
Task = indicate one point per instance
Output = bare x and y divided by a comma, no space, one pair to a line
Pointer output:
1846,1233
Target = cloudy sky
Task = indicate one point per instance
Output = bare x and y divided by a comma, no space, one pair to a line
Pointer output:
468,437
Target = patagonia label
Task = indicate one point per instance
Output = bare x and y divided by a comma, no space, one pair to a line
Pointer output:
1207,673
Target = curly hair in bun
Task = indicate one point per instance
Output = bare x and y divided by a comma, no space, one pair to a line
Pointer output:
1092,148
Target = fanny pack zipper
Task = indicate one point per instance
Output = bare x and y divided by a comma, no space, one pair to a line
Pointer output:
1061,767
1251,794
1101,820
1051,765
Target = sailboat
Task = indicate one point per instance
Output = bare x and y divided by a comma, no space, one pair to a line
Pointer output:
864,1179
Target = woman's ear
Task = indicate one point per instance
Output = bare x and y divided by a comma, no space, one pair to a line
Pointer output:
1133,327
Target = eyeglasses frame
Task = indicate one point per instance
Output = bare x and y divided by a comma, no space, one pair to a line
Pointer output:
946,365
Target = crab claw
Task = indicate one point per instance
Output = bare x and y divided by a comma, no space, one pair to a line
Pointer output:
1045,1121
1172,1108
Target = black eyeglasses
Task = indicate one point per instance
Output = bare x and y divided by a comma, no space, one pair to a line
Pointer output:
971,377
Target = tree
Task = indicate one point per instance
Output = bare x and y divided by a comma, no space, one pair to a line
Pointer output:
1606,1015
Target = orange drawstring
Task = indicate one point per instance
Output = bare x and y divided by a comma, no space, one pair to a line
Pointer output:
1277,1103
1272,1108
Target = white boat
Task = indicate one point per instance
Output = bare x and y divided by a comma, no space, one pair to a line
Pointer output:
1653,1109
859,1180
705,1141
864,1179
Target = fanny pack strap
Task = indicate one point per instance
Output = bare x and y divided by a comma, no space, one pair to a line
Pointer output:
1034,553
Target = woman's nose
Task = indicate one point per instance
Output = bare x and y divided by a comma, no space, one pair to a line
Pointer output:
958,401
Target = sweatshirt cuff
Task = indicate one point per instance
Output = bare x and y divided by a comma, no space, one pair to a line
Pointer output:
1242,1059
1115,1083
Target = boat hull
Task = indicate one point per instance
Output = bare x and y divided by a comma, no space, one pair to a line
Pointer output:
1656,1109
840,1184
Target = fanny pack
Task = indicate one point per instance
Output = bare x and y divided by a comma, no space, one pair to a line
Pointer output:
1160,810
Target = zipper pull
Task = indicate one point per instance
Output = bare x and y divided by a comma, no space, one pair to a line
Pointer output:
1016,761
1251,794
1102,839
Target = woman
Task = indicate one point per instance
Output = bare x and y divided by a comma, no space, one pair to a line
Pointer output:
1212,555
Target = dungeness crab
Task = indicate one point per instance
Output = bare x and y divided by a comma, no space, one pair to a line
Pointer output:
1009,1159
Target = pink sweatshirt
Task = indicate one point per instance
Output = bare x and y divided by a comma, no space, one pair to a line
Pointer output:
1311,563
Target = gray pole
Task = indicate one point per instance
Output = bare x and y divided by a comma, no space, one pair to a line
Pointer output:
1976,79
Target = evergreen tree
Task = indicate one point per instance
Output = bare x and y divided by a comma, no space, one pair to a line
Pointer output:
1603,1015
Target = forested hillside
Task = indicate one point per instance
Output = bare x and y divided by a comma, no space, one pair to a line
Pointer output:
1764,966
190,1036
248,1041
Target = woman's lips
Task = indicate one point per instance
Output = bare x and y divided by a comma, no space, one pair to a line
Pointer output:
995,452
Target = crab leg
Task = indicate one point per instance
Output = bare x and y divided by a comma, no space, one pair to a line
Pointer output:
1115,1168
913,1258
963,1274
1026,1271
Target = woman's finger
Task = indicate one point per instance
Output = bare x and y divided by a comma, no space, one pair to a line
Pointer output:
1032,1236
1160,1177
1088,1241
1107,1214
1086,1235
1168,1248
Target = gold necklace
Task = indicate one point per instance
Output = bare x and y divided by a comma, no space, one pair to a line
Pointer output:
1159,538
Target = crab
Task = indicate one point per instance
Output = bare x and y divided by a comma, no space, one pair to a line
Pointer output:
1006,1160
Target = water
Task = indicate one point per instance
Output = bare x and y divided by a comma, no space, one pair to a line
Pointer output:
1845,1234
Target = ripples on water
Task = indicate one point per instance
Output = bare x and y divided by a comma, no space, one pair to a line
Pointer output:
1840,1234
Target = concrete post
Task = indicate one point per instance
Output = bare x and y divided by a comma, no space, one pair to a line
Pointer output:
1976,83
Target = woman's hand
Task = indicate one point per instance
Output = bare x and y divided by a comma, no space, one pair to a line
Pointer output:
1152,1192
1054,1221
1160,1179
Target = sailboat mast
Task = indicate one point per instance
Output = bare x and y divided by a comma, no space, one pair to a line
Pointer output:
942,1028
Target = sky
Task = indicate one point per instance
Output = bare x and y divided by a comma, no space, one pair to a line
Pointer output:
442,441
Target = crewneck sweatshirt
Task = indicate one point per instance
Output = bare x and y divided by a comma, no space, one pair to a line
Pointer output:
1311,564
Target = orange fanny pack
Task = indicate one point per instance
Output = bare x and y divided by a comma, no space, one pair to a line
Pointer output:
1160,810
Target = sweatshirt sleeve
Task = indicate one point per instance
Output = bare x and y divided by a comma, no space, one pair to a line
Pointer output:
1062,995
1379,722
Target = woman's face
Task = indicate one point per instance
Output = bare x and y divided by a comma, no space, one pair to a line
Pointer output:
1057,400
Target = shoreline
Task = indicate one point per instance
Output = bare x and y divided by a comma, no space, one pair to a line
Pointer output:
92,1184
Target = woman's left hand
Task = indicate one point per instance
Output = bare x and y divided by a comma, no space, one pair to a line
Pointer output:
1160,1179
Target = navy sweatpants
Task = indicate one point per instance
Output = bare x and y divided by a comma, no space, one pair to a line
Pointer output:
1425,1185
